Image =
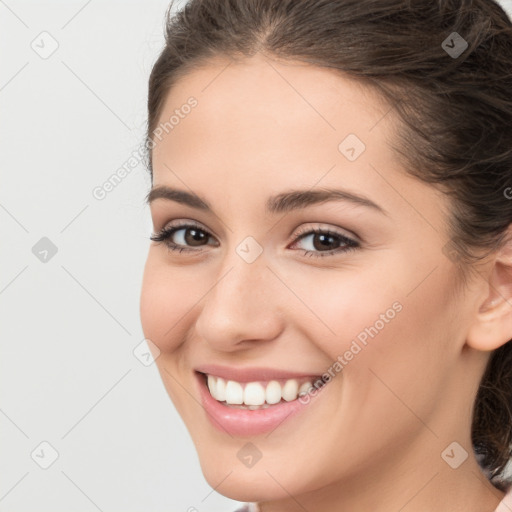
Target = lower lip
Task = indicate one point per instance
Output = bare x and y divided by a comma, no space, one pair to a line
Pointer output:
246,422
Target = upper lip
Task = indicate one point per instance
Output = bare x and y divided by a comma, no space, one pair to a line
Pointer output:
250,374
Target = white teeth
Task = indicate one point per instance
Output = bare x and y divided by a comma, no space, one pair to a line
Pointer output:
220,390
254,395
234,393
290,390
304,388
273,392
212,386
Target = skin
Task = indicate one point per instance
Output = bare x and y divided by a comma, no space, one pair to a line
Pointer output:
263,127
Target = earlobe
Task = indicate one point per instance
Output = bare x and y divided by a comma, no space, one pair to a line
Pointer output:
492,324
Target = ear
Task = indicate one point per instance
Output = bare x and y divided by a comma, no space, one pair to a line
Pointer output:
492,324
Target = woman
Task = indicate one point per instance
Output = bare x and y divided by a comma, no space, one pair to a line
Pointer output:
329,286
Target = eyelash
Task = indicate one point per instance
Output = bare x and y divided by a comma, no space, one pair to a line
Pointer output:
166,233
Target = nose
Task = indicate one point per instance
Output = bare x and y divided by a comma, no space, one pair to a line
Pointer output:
244,306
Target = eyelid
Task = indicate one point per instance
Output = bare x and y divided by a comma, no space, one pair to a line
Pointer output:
342,232
351,242
186,223
183,223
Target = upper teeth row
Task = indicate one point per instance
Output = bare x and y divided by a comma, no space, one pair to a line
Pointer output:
254,393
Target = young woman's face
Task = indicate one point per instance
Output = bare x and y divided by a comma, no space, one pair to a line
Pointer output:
253,294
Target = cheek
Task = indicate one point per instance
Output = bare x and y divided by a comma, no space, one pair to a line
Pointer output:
167,297
383,311
406,364
389,336
347,310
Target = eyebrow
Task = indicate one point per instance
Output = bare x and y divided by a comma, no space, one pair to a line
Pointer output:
284,202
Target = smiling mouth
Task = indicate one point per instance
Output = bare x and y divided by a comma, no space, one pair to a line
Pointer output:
260,394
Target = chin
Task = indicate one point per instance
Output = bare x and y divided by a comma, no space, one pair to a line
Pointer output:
266,480
251,485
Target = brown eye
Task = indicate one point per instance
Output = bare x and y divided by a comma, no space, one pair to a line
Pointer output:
324,242
185,237
193,236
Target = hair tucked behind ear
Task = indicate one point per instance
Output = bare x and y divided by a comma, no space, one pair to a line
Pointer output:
455,113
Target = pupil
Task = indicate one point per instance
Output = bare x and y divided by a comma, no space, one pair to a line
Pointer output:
197,236
325,241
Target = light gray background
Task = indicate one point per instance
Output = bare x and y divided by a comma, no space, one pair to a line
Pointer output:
68,374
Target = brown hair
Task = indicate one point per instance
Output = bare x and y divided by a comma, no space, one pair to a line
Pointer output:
455,111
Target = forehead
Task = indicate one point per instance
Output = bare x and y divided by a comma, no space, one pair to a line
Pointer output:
261,127
269,87
261,108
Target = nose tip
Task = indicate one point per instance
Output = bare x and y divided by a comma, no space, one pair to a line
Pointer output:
240,307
